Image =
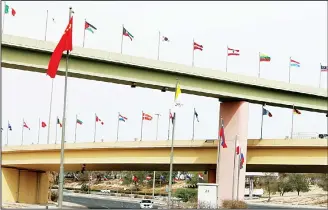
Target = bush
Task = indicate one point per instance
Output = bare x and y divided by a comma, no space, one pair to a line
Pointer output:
323,182
234,204
186,194
54,196
84,188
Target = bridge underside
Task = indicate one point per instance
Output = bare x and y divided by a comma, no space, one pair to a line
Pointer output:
176,167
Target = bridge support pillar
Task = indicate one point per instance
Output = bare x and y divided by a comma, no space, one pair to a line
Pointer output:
235,119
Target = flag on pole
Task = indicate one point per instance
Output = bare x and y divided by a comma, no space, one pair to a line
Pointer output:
201,176
148,178
222,136
65,43
25,125
162,178
196,115
127,33
233,52
324,68
9,9
165,39
122,118
171,116
264,58
177,96
43,124
9,127
198,46
89,27
266,112
99,120
242,160
146,117
294,63
296,111
134,178
237,148
79,122
59,123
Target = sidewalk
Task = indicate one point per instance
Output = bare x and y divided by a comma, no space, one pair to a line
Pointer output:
257,203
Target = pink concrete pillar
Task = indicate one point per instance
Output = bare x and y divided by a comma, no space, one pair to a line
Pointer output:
235,119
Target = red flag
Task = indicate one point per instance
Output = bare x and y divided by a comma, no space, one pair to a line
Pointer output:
223,143
237,148
198,46
146,116
25,125
65,43
99,120
43,124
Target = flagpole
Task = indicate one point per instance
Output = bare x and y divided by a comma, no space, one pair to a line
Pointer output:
227,59
61,173
39,132
238,175
193,52
22,132
75,129
320,76
122,38
154,184
289,69
118,126
84,32
168,132
7,133
218,153
259,75
157,126
262,123
45,32
3,19
56,131
50,109
159,42
141,124
234,170
94,137
171,162
291,131
193,126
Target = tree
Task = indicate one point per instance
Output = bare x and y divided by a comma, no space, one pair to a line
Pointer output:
269,182
284,185
299,183
323,182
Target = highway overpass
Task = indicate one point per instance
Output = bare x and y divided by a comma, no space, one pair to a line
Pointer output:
269,155
33,55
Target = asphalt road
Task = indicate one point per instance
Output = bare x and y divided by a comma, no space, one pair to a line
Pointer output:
263,206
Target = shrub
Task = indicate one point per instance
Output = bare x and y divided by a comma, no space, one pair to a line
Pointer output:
84,188
54,196
234,204
186,194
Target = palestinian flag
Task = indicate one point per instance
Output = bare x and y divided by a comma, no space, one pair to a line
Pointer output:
89,27
296,111
79,121
10,10
128,34
59,123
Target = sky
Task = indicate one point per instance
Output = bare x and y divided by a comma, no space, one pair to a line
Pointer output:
278,29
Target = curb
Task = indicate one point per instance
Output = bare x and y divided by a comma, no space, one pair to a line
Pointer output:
284,205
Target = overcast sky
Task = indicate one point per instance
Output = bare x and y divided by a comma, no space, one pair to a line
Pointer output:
279,29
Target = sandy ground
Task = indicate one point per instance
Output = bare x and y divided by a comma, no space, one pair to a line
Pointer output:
51,205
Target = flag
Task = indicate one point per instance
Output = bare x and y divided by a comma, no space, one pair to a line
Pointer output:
9,127
296,111
242,160
122,118
128,34
266,112
89,27
134,178
171,116
59,123
53,20
9,9
324,68
79,121
99,120
233,52
222,136
148,178
200,176
237,148
43,124
146,117
165,39
264,57
198,46
294,63
162,178
177,95
65,43
25,125
196,115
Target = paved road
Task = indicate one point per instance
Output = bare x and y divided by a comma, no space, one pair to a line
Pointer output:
263,206
95,203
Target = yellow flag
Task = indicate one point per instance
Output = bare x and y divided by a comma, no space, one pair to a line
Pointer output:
177,95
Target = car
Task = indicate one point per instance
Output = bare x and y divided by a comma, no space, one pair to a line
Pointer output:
146,204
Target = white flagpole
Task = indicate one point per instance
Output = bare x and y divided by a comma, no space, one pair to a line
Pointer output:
84,32
7,133
56,131
259,75
61,169
262,122
3,18
227,59
46,29
39,132
193,52
234,170
75,130
159,43
291,131
289,69
193,125
50,109
320,76
122,38
169,126
22,132
141,124
94,137
238,175
118,126
157,125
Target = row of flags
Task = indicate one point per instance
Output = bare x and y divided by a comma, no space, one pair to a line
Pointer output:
196,46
